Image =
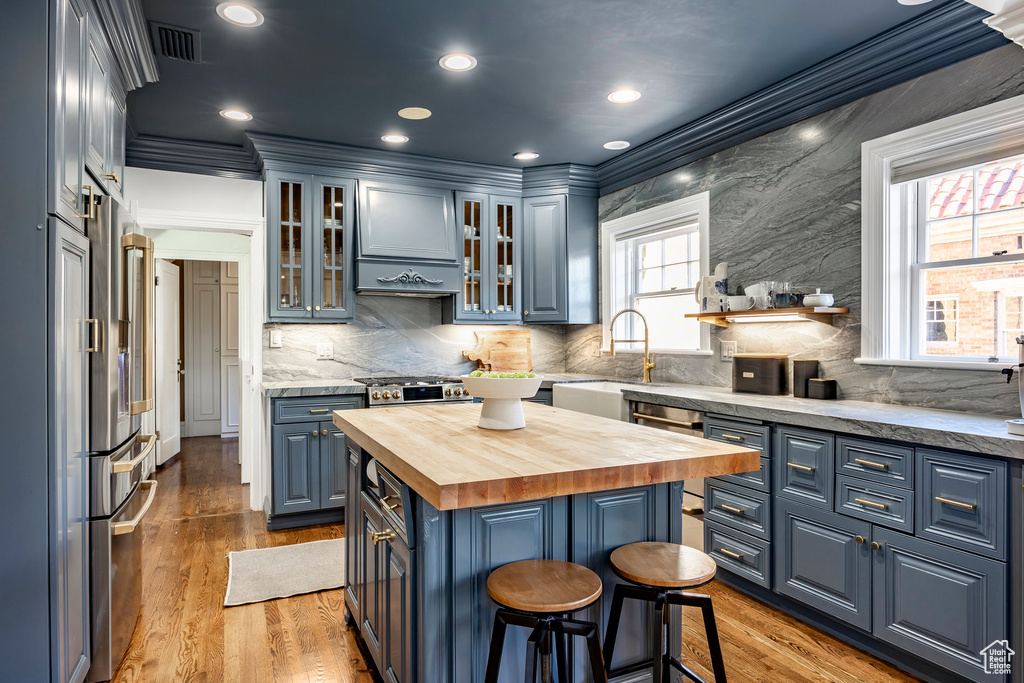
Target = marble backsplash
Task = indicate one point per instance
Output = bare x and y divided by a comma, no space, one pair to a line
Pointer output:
392,335
786,206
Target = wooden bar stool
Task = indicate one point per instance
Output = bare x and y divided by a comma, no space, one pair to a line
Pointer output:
537,594
660,571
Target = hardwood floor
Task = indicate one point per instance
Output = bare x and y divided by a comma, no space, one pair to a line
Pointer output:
185,634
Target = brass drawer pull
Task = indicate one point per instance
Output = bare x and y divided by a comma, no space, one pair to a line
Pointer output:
319,410
378,536
735,556
871,504
802,468
956,503
870,463
732,437
384,502
667,421
730,508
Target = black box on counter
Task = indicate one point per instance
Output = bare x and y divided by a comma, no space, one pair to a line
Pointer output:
759,373
822,388
803,370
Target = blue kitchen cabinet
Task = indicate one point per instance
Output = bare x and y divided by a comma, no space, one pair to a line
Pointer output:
397,601
742,508
310,248
370,576
68,45
545,276
823,560
309,461
353,534
295,461
491,290
105,114
941,604
805,466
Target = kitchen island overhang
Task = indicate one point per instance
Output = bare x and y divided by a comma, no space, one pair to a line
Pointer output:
454,502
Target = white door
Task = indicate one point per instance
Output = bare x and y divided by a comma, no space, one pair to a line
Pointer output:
202,358
231,378
168,377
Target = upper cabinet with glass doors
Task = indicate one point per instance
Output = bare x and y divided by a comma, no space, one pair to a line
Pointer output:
491,291
309,253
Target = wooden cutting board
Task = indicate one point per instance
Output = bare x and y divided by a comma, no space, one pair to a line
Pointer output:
502,351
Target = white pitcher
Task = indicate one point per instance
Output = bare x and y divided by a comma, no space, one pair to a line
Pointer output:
712,290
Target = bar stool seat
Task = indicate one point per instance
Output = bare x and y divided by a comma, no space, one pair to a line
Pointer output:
537,594
665,565
659,572
544,586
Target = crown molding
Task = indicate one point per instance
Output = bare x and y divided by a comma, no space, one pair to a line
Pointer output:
124,24
186,156
574,179
951,33
157,219
280,153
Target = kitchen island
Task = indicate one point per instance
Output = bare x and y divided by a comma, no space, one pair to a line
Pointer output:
451,502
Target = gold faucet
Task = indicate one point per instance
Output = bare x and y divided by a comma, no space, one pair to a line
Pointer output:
648,356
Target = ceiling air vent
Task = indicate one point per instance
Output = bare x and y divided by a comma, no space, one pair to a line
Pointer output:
175,42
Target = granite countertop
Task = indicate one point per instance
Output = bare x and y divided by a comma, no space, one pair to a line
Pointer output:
970,432
441,453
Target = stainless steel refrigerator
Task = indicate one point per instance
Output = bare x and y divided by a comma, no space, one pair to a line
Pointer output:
121,389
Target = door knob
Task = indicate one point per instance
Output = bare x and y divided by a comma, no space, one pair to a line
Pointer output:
860,540
526,313
315,432
309,308
324,432
875,545
318,308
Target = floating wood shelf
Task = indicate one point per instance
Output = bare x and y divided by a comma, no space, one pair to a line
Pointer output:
821,314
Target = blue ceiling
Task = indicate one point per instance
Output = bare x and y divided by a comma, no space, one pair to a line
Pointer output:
340,71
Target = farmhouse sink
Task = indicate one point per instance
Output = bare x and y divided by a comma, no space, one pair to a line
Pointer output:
603,399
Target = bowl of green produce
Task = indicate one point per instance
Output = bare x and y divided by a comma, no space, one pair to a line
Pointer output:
502,393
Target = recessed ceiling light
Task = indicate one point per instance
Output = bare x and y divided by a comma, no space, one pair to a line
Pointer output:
616,144
525,156
623,96
238,14
414,113
912,2
457,61
395,138
236,115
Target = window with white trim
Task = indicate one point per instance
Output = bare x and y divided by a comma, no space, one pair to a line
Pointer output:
651,262
943,241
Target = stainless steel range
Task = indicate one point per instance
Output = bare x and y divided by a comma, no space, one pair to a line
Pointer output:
382,392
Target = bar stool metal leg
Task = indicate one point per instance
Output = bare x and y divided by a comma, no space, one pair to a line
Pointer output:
710,627
497,647
563,667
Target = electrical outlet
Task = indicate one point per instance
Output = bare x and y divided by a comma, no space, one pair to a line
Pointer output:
728,350
325,351
275,339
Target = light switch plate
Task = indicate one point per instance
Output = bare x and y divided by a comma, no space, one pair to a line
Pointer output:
728,350
275,339
325,351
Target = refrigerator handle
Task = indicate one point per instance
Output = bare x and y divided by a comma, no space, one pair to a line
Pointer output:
136,241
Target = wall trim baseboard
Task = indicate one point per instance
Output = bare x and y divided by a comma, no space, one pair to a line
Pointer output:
948,34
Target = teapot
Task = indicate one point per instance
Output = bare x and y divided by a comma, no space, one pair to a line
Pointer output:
712,290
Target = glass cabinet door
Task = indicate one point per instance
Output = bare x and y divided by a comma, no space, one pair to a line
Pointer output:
290,284
508,293
474,300
333,296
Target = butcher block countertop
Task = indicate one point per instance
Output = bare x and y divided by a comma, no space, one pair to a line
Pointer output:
441,453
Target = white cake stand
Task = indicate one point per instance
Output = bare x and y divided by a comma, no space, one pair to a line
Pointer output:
503,399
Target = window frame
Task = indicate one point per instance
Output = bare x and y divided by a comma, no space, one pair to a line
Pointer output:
687,215
892,222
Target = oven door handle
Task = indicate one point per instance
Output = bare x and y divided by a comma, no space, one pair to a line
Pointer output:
668,421
123,466
120,528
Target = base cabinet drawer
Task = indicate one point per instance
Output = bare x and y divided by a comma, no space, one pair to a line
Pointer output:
823,560
881,462
738,433
805,466
739,553
962,502
941,604
759,480
738,507
313,408
877,503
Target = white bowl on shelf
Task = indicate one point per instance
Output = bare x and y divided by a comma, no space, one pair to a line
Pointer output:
503,399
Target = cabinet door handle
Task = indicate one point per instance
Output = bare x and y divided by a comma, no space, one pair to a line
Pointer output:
735,556
875,545
871,463
802,468
732,437
526,313
392,507
378,536
323,433
315,432
956,503
730,508
871,504
90,207
309,308
860,540
318,308
93,345
111,176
